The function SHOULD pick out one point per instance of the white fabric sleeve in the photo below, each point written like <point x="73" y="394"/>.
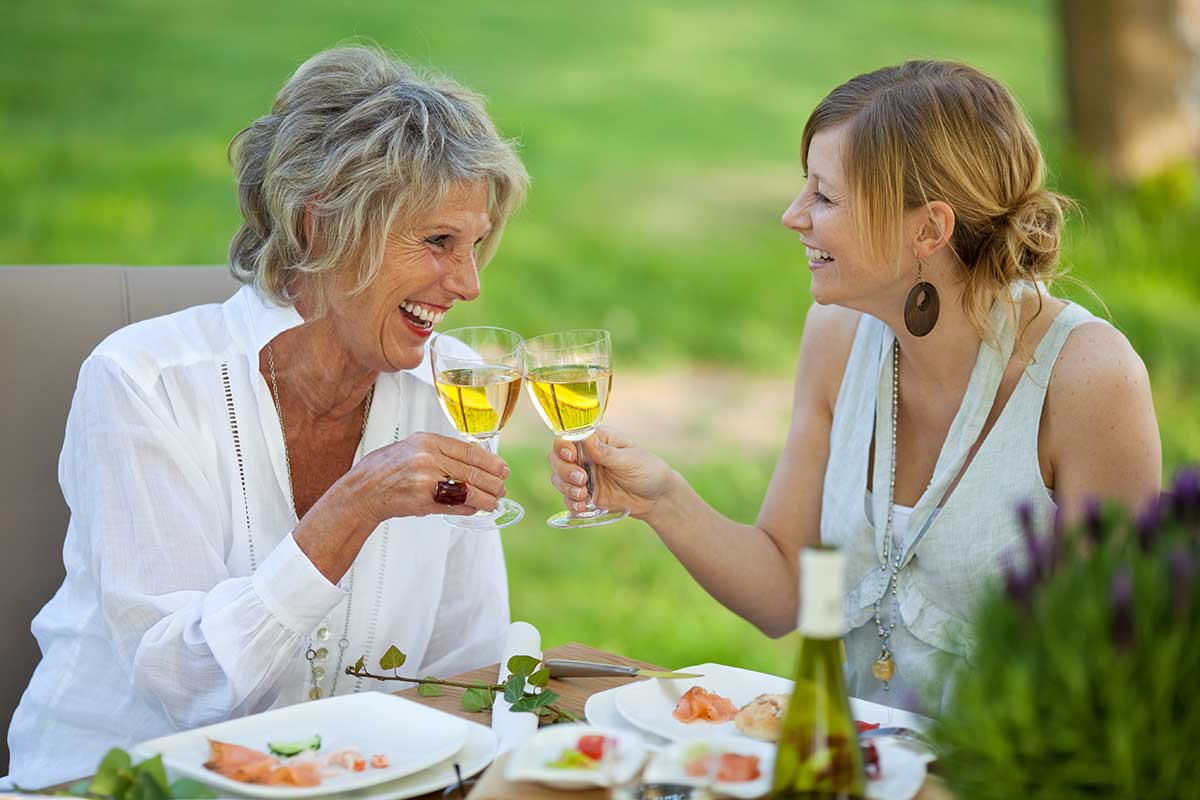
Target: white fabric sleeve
<point x="473" y="615"/>
<point x="204" y="644"/>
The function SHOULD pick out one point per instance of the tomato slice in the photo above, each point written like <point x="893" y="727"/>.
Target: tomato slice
<point x="591" y="746"/>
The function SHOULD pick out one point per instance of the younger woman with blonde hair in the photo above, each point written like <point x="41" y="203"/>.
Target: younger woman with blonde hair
<point x="939" y="385"/>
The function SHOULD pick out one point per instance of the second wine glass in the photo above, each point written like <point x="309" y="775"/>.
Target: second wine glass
<point x="478" y="375"/>
<point x="569" y="375"/>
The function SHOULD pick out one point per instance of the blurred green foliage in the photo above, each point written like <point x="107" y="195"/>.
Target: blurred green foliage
<point x="663" y="140"/>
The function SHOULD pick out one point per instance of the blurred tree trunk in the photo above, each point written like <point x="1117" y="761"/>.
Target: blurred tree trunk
<point x="1133" y="81"/>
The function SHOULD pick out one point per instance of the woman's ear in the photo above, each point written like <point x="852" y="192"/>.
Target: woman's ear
<point x="935" y="227"/>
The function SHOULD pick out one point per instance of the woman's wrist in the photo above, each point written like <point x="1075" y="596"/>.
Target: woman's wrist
<point x="670" y="504"/>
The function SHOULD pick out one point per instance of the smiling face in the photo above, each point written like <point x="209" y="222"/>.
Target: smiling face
<point x="842" y="272"/>
<point x="428" y="266"/>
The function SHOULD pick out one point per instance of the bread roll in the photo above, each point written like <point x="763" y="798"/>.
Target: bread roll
<point x="762" y="717"/>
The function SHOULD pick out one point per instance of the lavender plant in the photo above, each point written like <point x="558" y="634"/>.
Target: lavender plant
<point x="1086" y="679"/>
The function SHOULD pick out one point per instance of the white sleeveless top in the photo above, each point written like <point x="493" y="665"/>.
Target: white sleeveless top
<point x="952" y="554"/>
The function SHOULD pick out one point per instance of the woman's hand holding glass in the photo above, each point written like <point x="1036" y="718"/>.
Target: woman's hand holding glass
<point x="399" y="480"/>
<point x="478" y="375"/>
<point x="624" y="475"/>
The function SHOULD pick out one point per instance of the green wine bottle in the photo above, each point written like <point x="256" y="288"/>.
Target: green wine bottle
<point x="818" y="756"/>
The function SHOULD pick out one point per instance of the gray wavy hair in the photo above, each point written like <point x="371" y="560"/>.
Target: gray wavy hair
<point x="361" y="141"/>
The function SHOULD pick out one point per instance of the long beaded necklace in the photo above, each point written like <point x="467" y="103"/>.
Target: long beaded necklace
<point x="884" y="668"/>
<point x="316" y="650"/>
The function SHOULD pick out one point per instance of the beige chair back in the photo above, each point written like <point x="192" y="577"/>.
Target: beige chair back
<point x="50" y="319"/>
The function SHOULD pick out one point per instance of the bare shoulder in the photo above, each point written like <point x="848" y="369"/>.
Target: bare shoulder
<point x="828" y="337"/>
<point x="1097" y="365"/>
<point x="1099" y="422"/>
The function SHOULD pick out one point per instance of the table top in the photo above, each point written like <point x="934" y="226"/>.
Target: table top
<point x="573" y="693"/>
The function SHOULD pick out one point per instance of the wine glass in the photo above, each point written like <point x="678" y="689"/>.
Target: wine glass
<point x="477" y="371"/>
<point x="569" y="375"/>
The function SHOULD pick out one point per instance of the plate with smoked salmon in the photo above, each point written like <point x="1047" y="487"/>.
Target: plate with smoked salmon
<point x="340" y="744"/>
<point x="700" y="708"/>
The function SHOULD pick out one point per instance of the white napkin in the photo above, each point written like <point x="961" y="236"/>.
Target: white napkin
<point x="513" y="727"/>
<point x="903" y="771"/>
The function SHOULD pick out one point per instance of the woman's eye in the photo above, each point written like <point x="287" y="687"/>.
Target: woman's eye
<point x="439" y="240"/>
<point x="820" y="197"/>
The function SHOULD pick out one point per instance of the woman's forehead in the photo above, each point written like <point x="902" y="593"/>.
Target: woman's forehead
<point x="825" y="154"/>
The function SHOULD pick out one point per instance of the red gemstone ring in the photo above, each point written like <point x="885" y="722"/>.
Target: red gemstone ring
<point x="450" y="492"/>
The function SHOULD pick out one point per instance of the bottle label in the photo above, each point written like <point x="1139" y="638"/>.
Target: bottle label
<point x="822" y="614"/>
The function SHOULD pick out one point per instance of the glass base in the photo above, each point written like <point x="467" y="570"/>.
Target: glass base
<point x="587" y="519"/>
<point x="508" y="512"/>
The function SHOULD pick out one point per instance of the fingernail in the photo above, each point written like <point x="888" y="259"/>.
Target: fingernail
<point x="578" y="477"/>
<point x="578" y="492"/>
<point x="566" y="454"/>
<point x="506" y="471"/>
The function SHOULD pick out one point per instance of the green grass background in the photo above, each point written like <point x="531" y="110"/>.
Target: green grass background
<point x="663" y="140"/>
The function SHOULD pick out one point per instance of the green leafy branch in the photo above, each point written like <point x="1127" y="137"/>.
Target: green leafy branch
<point x="118" y="778"/>
<point x="525" y="672"/>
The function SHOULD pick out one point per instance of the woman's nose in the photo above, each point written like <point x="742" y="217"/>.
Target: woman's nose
<point x="462" y="278"/>
<point x="795" y="216"/>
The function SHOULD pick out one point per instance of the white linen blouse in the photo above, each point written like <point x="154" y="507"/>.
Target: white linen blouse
<point x="186" y="600"/>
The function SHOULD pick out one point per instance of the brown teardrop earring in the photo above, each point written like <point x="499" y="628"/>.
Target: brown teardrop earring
<point x="922" y="306"/>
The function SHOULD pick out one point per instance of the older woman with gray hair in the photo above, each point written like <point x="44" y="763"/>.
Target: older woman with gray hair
<point x="253" y="485"/>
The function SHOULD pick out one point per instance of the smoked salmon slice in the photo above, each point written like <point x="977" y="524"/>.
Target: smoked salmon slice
<point x="698" y="704"/>
<point x="734" y="768"/>
<point x="244" y="765"/>
<point x="239" y="763"/>
<point x="302" y="774"/>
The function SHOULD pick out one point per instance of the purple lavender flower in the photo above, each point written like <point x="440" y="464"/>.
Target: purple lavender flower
<point x="1034" y="549"/>
<point x="1185" y="495"/>
<point x="1121" y="598"/>
<point x="1093" y="521"/>
<point x="1181" y="567"/>
<point x="1018" y="584"/>
<point x="1148" y="521"/>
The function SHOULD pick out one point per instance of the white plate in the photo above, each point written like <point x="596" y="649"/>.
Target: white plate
<point x="528" y="762"/>
<point x="648" y="704"/>
<point x="668" y="765"/>
<point x="601" y="709"/>
<point x="412" y="736"/>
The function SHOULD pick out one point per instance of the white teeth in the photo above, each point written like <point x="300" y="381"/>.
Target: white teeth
<point x="818" y="255"/>
<point x="422" y="313"/>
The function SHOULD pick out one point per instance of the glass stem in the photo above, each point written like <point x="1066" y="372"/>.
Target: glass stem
<point x="586" y="463"/>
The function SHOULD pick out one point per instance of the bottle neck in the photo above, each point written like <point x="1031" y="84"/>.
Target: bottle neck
<point x="822" y="614"/>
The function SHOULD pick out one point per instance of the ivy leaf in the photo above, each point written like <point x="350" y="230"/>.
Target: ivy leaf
<point x="478" y="699"/>
<point x="188" y="789"/>
<point x="540" y="678"/>
<point x="392" y="659"/>
<point x="78" y="789"/>
<point x="523" y="665"/>
<point x="146" y="786"/>
<point x="153" y="768"/>
<point x="514" y="688"/>
<point x="525" y="703"/>
<point x="109" y="776"/>
<point x="544" y="699"/>
<point x="361" y="664"/>
<point x="430" y="689"/>
<point x="563" y="715"/>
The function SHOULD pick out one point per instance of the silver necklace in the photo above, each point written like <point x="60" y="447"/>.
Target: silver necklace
<point x="884" y="668"/>
<point x="317" y="652"/>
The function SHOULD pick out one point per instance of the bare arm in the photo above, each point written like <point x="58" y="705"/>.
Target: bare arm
<point x="1099" y="427"/>
<point x="751" y="569"/>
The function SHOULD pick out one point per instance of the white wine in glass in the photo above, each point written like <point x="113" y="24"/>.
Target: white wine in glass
<point x="569" y="375"/>
<point x="478" y="376"/>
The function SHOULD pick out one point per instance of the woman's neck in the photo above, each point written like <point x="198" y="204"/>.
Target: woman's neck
<point x="317" y="372"/>
<point x="944" y="358"/>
